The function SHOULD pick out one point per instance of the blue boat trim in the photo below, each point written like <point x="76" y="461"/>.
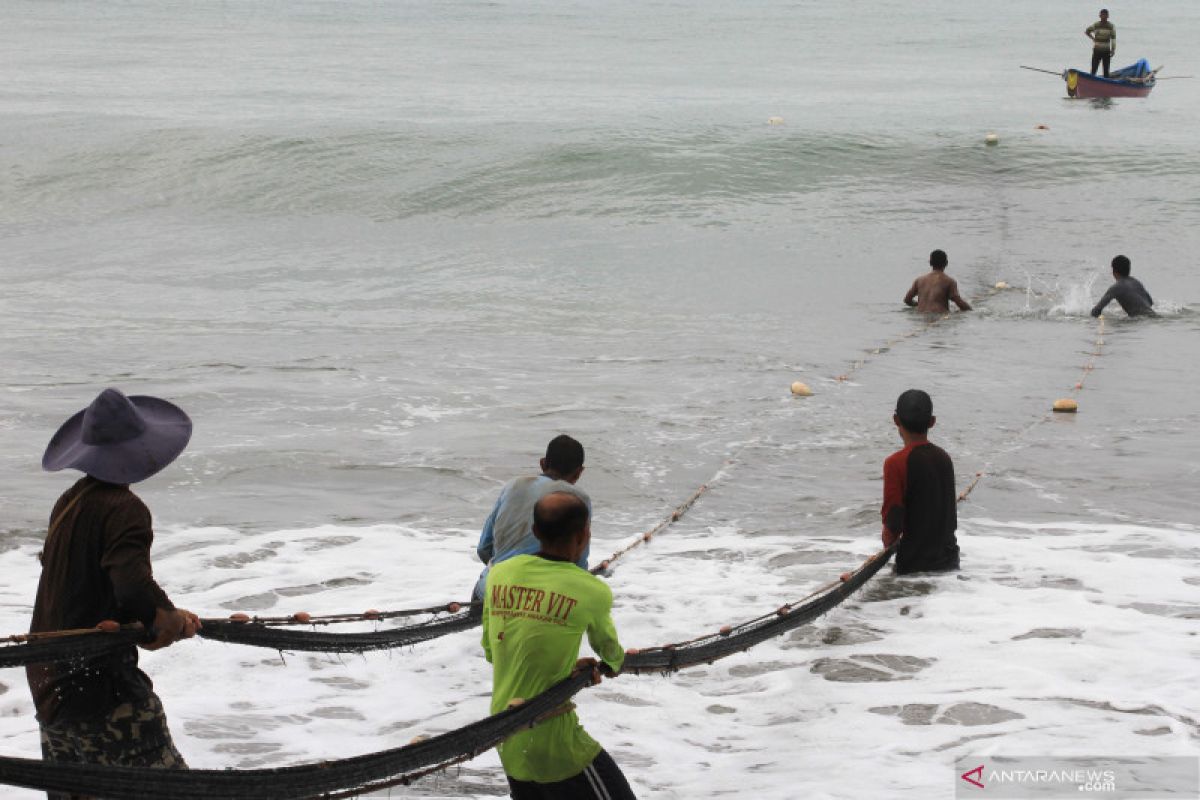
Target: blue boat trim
<point x="1121" y="77"/>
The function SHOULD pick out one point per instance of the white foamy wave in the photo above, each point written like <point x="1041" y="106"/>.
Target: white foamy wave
<point x="1056" y="638"/>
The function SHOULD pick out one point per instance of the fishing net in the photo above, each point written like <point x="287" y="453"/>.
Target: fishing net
<point x="736" y="638"/>
<point x="93" y="643"/>
<point x="72" y="647"/>
<point x="350" y="776"/>
<point x="326" y="779"/>
<point x="291" y="639"/>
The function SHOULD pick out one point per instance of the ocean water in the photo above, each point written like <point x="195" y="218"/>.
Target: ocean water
<point x="382" y="253"/>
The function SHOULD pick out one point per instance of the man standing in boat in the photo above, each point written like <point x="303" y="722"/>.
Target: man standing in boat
<point x="1104" y="41"/>
<point x="932" y="292"/>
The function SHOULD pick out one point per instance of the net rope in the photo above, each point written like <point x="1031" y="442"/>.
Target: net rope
<point x="351" y="776"/>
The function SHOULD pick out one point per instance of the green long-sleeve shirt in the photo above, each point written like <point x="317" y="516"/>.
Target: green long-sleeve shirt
<point x="535" y="613"/>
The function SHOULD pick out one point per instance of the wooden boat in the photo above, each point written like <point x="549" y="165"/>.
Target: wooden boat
<point x="1136" y="80"/>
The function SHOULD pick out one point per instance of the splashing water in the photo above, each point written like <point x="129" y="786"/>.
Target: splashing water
<point x="1076" y="299"/>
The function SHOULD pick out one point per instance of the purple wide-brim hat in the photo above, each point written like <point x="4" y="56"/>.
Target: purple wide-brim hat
<point x="120" y="439"/>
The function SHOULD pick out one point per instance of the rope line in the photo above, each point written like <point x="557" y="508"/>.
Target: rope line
<point x="402" y="765"/>
<point x="912" y="334"/>
<point x="279" y="638"/>
<point x="89" y="643"/>
<point x="1096" y="352"/>
<point x="605" y="566"/>
<point x="303" y="618"/>
<point x="255" y="631"/>
<point x="858" y="364"/>
<point x="733" y="639"/>
<point x="250" y="630"/>
<point x="270" y="632"/>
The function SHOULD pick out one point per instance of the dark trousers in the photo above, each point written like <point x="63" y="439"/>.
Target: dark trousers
<point x="600" y="780"/>
<point x="1097" y="57"/>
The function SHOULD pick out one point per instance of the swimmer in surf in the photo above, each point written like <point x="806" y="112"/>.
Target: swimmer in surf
<point x="932" y="292"/>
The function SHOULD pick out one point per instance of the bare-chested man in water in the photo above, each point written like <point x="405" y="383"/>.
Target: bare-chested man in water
<point x="931" y="293"/>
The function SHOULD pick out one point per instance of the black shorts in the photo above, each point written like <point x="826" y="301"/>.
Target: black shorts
<point x="600" y="780"/>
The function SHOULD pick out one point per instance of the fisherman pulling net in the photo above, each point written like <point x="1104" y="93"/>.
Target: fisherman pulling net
<point x="351" y="776"/>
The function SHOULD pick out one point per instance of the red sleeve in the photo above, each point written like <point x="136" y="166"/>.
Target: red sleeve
<point x="895" y="481"/>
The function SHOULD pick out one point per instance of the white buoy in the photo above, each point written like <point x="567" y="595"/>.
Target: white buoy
<point x="992" y="138"/>
<point x="801" y="389"/>
<point x="1001" y="285"/>
<point x="775" y="120"/>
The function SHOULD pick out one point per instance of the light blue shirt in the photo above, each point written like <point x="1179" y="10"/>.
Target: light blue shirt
<point x="508" y="530"/>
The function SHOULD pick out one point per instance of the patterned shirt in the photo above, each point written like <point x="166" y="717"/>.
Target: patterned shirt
<point x="1105" y="35"/>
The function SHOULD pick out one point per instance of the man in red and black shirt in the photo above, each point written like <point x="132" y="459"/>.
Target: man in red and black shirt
<point x="918" y="492"/>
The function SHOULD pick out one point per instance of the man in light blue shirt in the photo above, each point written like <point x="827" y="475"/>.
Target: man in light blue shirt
<point x="508" y="530"/>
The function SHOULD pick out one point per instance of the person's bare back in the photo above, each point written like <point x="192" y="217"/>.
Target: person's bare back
<point x="932" y="292"/>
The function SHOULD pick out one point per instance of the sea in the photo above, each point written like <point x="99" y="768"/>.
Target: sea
<point x="382" y="252"/>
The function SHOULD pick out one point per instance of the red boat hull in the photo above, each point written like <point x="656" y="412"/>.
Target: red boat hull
<point x="1083" y="85"/>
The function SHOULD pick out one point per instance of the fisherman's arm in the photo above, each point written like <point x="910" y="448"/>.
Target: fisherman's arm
<point x="963" y="305"/>
<point x="602" y="636"/>
<point x="126" y="560"/>
<point x="910" y="299"/>
<point x="487" y="642"/>
<point x="893" y="501"/>
<point x="487" y="538"/>
<point x="582" y="563"/>
<point x="1105" y="300"/>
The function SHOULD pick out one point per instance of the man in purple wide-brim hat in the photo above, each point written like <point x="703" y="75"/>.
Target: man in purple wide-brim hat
<point x="96" y="567"/>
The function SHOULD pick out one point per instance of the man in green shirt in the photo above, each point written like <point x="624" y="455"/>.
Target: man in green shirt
<point x="536" y="610"/>
<point x="1104" y="41"/>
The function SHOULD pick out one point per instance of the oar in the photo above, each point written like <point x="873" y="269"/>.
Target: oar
<point x="1047" y="71"/>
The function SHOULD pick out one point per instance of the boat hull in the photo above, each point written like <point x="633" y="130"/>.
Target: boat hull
<point x="1085" y="85"/>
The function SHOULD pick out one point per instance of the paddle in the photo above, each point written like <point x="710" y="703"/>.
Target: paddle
<point x="1047" y="71"/>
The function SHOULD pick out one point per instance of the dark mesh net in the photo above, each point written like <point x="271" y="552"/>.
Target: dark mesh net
<point x="348" y="776"/>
